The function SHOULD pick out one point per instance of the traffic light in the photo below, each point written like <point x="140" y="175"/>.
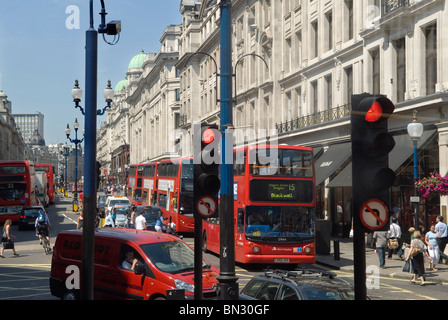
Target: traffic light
<point x="206" y="169"/>
<point x="371" y="175"/>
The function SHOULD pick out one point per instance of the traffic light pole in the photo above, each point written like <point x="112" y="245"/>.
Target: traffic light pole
<point x="371" y="175"/>
<point x="227" y="278"/>
<point x="359" y="258"/>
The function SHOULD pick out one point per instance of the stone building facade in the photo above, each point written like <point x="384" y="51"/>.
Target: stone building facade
<point x="296" y="65"/>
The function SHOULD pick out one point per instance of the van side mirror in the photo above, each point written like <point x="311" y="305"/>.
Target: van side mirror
<point x="139" y="268"/>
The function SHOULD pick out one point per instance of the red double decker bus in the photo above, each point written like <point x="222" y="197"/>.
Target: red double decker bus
<point x="147" y="173"/>
<point x="174" y="192"/>
<point x="17" y="188"/>
<point x="133" y="191"/>
<point x="274" y="207"/>
<point x="49" y="170"/>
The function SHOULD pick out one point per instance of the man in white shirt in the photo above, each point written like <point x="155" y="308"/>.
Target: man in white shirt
<point x="140" y="221"/>
<point x="395" y="233"/>
<point x="109" y="221"/>
<point x="442" y="237"/>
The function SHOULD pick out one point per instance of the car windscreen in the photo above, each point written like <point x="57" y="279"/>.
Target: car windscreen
<point x="31" y="212"/>
<point x="115" y="202"/>
<point x="318" y="292"/>
<point x="171" y="256"/>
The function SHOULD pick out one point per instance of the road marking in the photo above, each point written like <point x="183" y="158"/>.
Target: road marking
<point x="42" y="265"/>
<point x="69" y="218"/>
<point x="389" y="286"/>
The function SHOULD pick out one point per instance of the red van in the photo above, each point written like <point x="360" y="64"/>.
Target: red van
<point x="164" y="262"/>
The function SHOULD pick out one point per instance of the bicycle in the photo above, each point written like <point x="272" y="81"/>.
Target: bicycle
<point x="46" y="245"/>
<point x="44" y="241"/>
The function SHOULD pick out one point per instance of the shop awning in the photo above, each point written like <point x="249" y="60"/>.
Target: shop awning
<point x="331" y="160"/>
<point x="402" y="151"/>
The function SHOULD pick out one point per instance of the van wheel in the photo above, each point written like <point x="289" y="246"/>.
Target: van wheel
<point x="70" y="295"/>
<point x="204" y="243"/>
<point x="160" y="298"/>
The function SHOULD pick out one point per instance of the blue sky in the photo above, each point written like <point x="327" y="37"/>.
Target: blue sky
<point x="40" y="57"/>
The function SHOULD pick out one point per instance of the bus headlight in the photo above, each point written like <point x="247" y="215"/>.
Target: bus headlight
<point x="307" y="249"/>
<point x="256" y="249"/>
<point x="183" y="285"/>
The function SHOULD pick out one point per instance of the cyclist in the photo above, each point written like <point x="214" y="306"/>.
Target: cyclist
<point x="43" y="227"/>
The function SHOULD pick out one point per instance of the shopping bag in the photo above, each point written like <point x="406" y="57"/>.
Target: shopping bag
<point x="407" y="266"/>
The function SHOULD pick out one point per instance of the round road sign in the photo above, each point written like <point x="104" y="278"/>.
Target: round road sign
<point x="206" y="206"/>
<point x="374" y="214"/>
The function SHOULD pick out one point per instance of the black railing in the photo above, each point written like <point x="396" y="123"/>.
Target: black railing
<point x="388" y="6"/>
<point x="336" y="113"/>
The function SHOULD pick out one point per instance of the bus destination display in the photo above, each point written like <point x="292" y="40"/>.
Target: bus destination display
<point x="281" y="191"/>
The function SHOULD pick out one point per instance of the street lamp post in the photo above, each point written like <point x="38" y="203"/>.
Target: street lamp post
<point x="415" y="131"/>
<point x="76" y="141"/>
<point x="65" y="154"/>
<point x="91" y="72"/>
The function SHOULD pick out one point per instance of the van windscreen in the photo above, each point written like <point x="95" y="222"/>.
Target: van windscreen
<point x="171" y="256"/>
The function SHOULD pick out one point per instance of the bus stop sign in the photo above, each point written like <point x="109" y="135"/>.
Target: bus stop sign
<point x="374" y="214"/>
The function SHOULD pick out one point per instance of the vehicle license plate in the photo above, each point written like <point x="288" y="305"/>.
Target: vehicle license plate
<point x="281" y="260"/>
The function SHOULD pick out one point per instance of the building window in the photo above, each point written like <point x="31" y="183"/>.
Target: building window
<point x="314" y="97"/>
<point x="288" y="106"/>
<point x="376" y="79"/>
<point x="349" y="19"/>
<point x="288" y="56"/>
<point x="400" y="48"/>
<point x="431" y="58"/>
<point x="329" y="30"/>
<point x="299" y="102"/>
<point x="298" y="49"/>
<point x="314" y="39"/>
<point x="329" y="90"/>
<point x="349" y="83"/>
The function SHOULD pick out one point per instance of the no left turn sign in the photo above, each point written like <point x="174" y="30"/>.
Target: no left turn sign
<point x="206" y="206"/>
<point x="374" y="214"/>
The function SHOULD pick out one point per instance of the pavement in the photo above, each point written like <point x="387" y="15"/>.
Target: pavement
<point x="393" y="267"/>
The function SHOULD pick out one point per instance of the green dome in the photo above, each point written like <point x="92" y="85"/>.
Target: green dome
<point x="120" y="85"/>
<point x="137" y="61"/>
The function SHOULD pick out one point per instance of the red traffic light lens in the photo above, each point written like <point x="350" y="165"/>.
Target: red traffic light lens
<point x="208" y="136"/>
<point x="375" y="112"/>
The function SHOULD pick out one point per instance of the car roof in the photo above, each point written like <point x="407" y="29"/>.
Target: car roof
<point x="117" y="198"/>
<point x="307" y="277"/>
<point x="137" y="236"/>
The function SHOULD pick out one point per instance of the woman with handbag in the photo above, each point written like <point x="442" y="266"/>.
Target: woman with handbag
<point x="7" y="236"/>
<point x="417" y="251"/>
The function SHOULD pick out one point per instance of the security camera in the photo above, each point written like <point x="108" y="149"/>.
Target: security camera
<point x="113" y="27"/>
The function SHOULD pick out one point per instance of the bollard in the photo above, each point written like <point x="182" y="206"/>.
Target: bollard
<point x="336" y="250"/>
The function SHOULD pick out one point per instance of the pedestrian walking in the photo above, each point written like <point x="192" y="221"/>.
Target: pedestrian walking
<point x="80" y="221"/>
<point x="133" y="216"/>
<point x="109" y="221"/>
<point x="433" y="247"/>
<point x="140" y="221"/>
<point x="442" y="237"/>
<point x="379" y="239"/>
<point x="394" y="242"/>
<point x="417" y="253"/>
<point x="7" y="238"/>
